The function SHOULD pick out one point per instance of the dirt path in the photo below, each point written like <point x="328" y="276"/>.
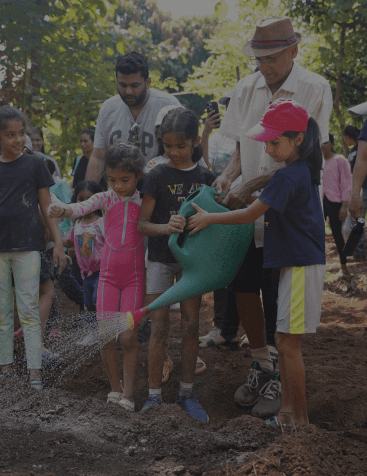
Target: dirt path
<point x="69" y="429"/>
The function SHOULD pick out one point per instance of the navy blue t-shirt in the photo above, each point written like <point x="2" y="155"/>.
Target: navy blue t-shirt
<point x="294" y="225"/>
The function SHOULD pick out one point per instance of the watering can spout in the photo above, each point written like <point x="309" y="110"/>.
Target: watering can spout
<point x="209" y="259"/>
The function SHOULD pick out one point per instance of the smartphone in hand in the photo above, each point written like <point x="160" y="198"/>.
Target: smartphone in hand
<point x="213" y="106"/>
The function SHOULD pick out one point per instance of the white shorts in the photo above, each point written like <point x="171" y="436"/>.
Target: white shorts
<point x="161" y="276"/>
<point x="299" y="299"/>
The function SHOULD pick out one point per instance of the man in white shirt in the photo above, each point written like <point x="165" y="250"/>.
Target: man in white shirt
<point x="274" y="47"/>
<point x="130" y="115"/>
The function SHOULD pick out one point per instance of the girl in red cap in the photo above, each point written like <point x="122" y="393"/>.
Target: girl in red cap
<point x="294" y="239"/>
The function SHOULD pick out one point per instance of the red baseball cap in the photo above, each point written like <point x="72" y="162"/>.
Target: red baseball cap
<point x="281" y="116"/>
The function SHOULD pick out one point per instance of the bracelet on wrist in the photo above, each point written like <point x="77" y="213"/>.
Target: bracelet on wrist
<point x="62" y="213"/>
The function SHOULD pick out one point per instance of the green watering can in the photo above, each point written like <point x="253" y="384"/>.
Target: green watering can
<point x="209" y="259"/>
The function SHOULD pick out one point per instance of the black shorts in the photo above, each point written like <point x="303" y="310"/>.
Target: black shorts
<point x="249" y="276"/>
<point x="45" y="273"/>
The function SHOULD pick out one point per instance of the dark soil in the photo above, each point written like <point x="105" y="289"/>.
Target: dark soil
<point x="68" y="429"/>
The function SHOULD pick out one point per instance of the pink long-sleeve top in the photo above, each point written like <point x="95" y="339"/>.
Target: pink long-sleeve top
<point x="337" y="179"/>
<point x="120" y="215"/>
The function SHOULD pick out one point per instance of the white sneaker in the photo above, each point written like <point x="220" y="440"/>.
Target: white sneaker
<point x="89" y="340"/>
<point x="212" y="333"/>
<point x="175" y="307"/>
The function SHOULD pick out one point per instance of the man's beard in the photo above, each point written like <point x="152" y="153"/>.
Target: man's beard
<point x="138" y="100"/>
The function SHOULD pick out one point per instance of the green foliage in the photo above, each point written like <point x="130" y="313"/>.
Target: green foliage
<point x="218" y="73"/>
<point x="338" y="51"/>
<point x="58" y="56"/>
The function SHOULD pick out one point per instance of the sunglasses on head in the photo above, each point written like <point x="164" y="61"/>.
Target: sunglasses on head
<point x="133" y="132"/>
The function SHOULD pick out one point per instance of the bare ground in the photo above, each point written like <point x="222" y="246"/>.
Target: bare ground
<point x="68" y="429"/>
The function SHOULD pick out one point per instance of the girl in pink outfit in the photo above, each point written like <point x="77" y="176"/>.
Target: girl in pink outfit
<point x="337" y="185"/>
<point x="121" y="282"/>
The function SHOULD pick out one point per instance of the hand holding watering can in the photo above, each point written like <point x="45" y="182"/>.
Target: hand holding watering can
<point x="209" y="259"/>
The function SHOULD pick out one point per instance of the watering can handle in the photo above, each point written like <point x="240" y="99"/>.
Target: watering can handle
<point x="187" y="211"/>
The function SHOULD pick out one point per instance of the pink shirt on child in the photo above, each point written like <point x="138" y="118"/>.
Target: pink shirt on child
<point x="88" y="242"/>
<point x="337" y="179"/>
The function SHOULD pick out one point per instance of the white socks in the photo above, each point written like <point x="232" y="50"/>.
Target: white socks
<point x="263" y="357"/>
<point x="186" y="387"/>
<point x="155" y="391"/>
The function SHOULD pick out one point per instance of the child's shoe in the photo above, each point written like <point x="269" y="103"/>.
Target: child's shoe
<point x="127" y="405"/>
<point x="153" y="401"/>
<point x="37" y="384"/>
<point x="115" y="397"/>
<point x="188" y="402"/>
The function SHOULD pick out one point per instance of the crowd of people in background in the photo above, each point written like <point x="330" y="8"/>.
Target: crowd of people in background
<point x="104" y="237"/>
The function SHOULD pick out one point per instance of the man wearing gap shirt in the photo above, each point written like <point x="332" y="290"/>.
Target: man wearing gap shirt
<point x="130" y="115"/>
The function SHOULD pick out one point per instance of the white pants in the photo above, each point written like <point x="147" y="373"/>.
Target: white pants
<point x="25" y="267"/>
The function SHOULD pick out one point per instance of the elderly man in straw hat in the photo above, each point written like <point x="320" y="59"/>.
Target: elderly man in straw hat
<point x="274" y="47"/>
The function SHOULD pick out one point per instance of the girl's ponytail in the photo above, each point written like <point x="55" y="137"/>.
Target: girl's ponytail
<point x="197" y="153"/>
<point x="310" y="149"/>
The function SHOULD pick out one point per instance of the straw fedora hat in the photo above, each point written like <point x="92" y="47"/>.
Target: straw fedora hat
<point x="271" y="36"/>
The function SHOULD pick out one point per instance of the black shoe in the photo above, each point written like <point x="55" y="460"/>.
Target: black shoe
<point x="249" y="393"/>
<point x="270" y="399"/>
<point x="144" y="331"/>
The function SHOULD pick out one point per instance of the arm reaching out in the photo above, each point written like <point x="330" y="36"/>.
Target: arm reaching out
<point x="202" y="219"/>
<point x="95" y="202"/>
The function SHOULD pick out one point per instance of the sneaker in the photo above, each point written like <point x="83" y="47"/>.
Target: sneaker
<point x="188" y="402"/>
<point x="144" y="331"/>
<point x="249" y="393"/>
<point x="175" y="307"/>
<point x="89" y="340"/>
<point x="153" y="401"/>
<point x="37" y="385"/>
<point x="274" y="421"/>
<point x="212" y="333"/>
<point x="270" y="399"/>
<point x="49" y="359"/>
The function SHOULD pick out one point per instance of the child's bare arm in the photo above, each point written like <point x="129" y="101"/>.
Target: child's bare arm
<point x="202" y="219"/>
<point x="145" y="227"/>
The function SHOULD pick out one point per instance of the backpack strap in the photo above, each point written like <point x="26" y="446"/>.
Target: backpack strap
<point x="76" y="164"/>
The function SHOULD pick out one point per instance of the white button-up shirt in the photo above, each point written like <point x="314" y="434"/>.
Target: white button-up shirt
<point x="250" y="99"/>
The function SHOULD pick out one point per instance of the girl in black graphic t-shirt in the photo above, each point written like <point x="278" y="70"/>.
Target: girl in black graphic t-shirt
<point x="164" y="189"/>
<point x="24" y="184"/>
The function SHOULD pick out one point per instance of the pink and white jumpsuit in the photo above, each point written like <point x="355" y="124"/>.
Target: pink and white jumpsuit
<point x="121" y="278"/>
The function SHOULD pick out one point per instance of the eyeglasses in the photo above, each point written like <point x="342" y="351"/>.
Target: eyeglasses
<point x="266" y="61"/>
<point x="133" y="133"/>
